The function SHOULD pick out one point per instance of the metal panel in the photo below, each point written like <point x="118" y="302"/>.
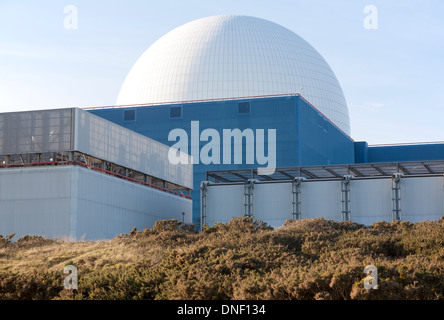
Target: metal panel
<point x="221" y="210"/>
<point x="422" y="198"/>
<point x="73" y="129"/>
<point x="272" y="203"/>
<point x="108" y="206"/>
<point x="321" y="199"/>
<point x="105" y="140"/>
<point x="35" y="201"/>
<point x="36" y="131"/>
<point x="74" y="202"/>
<point x="371" y="200"/>
<point x="404" y="152"/>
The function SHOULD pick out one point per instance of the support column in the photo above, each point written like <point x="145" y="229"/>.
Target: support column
<point x="203" y="203"/>
<point x="345" y="199"/>
<point x="148" y="179"/>
<point x="248" y="198"/>
<point x="296" y="196"/>
<point x="396" y="196"/>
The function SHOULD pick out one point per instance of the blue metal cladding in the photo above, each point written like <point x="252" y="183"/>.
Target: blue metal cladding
<point x="361" y="152"/>
<point x="401" y="153"/>
<point x="303" y="135"/>
<point x="321" y="141"/>
<point x="398" y="153"/>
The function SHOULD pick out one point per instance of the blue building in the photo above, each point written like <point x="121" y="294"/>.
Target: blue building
<point x="304" y="136"/>
<point x="263" y="122"/>
<point x="242" y="73"/>
<point x="398" y="152"/>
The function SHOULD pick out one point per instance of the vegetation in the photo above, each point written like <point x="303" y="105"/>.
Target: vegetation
<point x="242" y="259"/>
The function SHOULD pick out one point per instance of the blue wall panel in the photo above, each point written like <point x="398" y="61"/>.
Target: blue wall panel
<point x="321" y="141"/>
<point x="303" y="135"/>
<point x="398" y="153"/>
<point x="361" y="152"/>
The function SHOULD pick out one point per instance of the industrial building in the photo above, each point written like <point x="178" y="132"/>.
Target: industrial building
<point x="65" y="173"/>
<point x="246" y="73"/>
<point x="303" y="135"/>
<point x="259" y="122"/>
<point x="363" y="193"/>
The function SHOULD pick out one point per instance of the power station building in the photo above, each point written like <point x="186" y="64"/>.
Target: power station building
<point x="243" y="73"/>
<point x="65" y="173"/>
<point x="258" y="125"/>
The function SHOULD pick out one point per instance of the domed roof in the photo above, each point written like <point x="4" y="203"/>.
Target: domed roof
<point x="233" y="56"/>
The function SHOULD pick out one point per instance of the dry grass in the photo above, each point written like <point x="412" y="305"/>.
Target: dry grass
<point x="243" y="259"/>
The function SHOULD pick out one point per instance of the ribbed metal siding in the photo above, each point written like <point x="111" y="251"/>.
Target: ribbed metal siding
<point x="77" y="130"/>
<point x="36" y="131"/>
<point x="74" y="202"/>
<point x="422" y="198"/>
<point x="106" y="140"/>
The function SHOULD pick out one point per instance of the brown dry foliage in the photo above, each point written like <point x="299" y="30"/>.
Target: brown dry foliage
<point x="242" y="259"/>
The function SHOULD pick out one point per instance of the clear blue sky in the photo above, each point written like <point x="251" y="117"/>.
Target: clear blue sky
<point x="392" y="77"/>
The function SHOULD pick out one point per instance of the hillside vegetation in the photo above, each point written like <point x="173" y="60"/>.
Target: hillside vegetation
<point x="243" y="259"/>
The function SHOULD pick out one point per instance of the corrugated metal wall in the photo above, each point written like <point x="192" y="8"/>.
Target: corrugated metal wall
<point x="303" y="136"/>
<point x="36" y="131"/>
<point x="106" y="140"/>
<point x="35" y="201"/>
<point x="422" y="198"/>
<point x="73" y="129"/>
<point x="76" y="203"/>
<point x="108" y="206"/>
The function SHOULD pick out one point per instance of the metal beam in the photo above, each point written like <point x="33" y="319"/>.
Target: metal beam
<point x="379" y="170"/>
<point x="248" y="198"/>
<point x="311" y="175"/>
<point x="345" y="198"/>
<point x="296" y="201"/>
<point x="265" y="177"/>
<point x="203" y="204"/>
<point x="396" y="196"/>
<point x="404" y="170"/>
<point x="428" y="168"/>
<point x="239" y="175"/>
<point x="285" y="174"/>
<point x="370" y="170"/>
<point x="333" y="173"/>
<point x="356" y="172"/>
<point x="213" y="175"/>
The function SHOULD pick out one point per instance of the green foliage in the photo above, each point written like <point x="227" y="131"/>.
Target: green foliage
<point x="33" y="286"/>
<point x="247" y="259"/>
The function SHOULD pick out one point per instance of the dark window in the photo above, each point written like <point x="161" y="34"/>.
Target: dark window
<point x="244" y="107"/>
<point x="176" y="112"/>
<point x="129" y="115"/>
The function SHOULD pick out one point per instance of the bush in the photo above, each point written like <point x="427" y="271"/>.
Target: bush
<point x="244" y="259"/>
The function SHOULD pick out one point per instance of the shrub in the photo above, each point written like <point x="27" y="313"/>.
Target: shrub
<point x="242" y="259"/>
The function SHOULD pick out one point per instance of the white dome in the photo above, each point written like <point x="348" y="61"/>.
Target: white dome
<point x="233" y="56"/>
